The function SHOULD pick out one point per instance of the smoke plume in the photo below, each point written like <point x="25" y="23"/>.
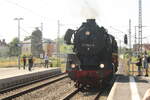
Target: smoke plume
<point x="89" y="9"/>
<point x="84" y="8"/>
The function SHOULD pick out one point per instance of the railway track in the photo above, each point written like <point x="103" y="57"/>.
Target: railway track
<point x="71" y="94"/>
<point x="66" y="92"/>
<point x="75" y="92"/>
<point x="13" y="92"/>
<point x="93" y="94"/>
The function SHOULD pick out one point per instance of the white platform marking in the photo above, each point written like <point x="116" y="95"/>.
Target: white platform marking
<point x="133" y="87"/>
<point x="112" y="92"/>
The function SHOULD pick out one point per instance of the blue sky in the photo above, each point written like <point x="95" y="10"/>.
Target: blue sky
<point x="71" y="13"/>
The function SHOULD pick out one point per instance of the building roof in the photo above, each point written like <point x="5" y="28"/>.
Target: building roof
<point x="144" y="46"/>
<point x="44" y="41"/>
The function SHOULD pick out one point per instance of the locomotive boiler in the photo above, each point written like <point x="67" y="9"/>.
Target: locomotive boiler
<point x="95" y="55"/>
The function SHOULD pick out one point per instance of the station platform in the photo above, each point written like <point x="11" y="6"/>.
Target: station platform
<point x="15" y="71"/>
<point x="129" y="87"/>
<point x="13" y="76"/>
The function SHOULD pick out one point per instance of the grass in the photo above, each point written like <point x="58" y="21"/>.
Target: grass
<point x="63" y="67"/>
<point x="13" y="62"/>
<point x="9" y="61"/>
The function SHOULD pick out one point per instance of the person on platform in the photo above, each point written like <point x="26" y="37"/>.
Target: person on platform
<point x="24" y="61"/>
<point x="145" y="63"/>
<point x="139" y="64"/>
<point x="30" y="61"/>
<point x="46" y="59"/>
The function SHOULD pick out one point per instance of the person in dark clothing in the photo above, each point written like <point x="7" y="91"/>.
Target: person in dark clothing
<point x="30" y="61"/>
<point x="145" y="64"/>
<point x="24" y="62"/>
<point x="139" y="64"/>
<point x="46" y="61"/>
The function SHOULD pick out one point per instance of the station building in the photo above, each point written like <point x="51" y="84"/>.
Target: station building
<point x="48" y="47"/>
<point x="145" y="47"/>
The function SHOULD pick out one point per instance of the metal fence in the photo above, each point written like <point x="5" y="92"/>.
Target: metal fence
<point x="13" y="61"/>
<point x="133" y="69"/>
<point x="38" y="62"/>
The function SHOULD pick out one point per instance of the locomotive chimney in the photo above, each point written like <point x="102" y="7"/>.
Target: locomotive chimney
<point x="91" y="21"/>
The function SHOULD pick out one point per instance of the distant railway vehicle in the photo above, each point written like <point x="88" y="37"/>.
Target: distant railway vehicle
<point x="95" y="57"/>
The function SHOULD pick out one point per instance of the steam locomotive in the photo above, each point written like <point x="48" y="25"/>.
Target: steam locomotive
<point x="95" y="55"/>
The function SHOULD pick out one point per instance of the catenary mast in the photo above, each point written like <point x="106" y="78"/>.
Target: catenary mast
<point x="140" y="27"/>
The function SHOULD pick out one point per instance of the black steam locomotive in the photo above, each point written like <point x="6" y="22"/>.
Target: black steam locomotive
<point x="95" y="57"/>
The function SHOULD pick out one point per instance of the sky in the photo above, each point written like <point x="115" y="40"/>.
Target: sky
<point x="114" y="15"/>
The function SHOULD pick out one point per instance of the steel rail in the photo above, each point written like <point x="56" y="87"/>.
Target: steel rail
<point x="70" y="95"/>
<point x="14" y="95"/>
<point x="99" y="94"/>
<point x="28" y="83"/>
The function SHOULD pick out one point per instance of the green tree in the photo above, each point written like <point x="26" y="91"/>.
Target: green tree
<point x="27" y="38"/>
<point x="14" y="47"/>
<point x="36" y="43"/>
<point x="64" y="48"/>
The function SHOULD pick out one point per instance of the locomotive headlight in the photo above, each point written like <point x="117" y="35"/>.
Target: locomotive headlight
<point x="101" y="65"/>
<point x="73" y="65"/>
<point x="87" y="33"/>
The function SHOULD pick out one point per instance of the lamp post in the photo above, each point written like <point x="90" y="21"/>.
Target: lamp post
<point x="58" y="45"/>
<point x="18" y="19"/>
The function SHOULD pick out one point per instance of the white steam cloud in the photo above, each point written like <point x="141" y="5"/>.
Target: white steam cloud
<point x="89" y="9"/>
<point x="85" y="8"/>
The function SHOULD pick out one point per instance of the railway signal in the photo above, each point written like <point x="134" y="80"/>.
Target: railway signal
<point x="125" y="39"/>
